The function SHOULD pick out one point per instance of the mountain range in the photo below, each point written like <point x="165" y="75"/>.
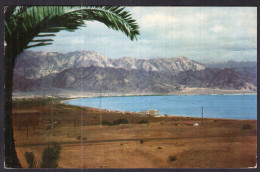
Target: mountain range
<point x="34" y="65"/>
<point x="89" y="71"/>
<point x="232" y="64"/>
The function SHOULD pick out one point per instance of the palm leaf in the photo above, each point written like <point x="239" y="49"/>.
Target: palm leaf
<point x="25" y="23"/>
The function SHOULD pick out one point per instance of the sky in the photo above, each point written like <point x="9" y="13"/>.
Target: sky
<point x="204" y="34"/>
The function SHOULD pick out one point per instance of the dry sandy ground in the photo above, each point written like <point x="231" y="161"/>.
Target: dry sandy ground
<point x="217" y="144"/>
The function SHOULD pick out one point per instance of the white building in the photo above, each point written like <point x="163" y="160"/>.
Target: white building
<point x="152" y="112"/>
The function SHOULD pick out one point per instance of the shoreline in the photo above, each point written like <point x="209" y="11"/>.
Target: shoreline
<point x="235" y="94"/>
<point x="66" y="99"/>
<point x="130" y="95"/>
<point x="134" y="139"/>
<point x="158" y="116"/>
<point x="59" y="93"/>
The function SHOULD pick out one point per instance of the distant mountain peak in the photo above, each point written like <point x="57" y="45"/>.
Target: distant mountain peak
<point x="92" y="72"/>
<point x="38" y="64"/>
<point x="87" y="52"/>
<point x="232" y="64"/>
<point x="183" y="57"/>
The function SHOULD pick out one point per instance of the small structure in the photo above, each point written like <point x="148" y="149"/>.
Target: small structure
<point x="143" y="113"/>
<point x="196" y="124"/>
<point x="152" y="112"/>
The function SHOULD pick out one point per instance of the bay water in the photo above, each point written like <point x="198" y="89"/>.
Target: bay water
<point x="214" y="106"/>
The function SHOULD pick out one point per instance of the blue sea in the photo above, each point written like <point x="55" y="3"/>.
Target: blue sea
<point x="214" y="106"/>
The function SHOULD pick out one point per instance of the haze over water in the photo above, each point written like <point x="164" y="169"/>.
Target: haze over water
<point x="214" y="106"/>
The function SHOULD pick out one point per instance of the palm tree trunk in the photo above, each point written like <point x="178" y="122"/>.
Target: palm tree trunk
<point x="11" y="159"/>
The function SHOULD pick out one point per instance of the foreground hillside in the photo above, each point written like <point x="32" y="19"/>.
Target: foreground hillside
<point x="142" y="142"/>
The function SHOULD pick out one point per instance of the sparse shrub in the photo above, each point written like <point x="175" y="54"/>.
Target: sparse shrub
<point x="84" y="138"/>
<point x="159" y="147"/>
<point x="51" y="155"/>
<point x="106" y="123"/>
<point x="246" y="127"/>
<point x="48" y="127"/>
<point x="141" y="141"/>
<point x="30" y="159"/>
<point x="228" y="148"/>
<point x="143" y="121"/>
<point x="172" y="158"/>
<point x="79" y="137"/>
<point x="121" y="144"/>
<point x="120" y="121"/>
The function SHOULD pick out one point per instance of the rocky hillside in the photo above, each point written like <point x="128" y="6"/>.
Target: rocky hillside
<point x="232" y="64"/>
<point x="34" y="65"/>
<point x="89" y="71"/>
<point x="97" y="79"/>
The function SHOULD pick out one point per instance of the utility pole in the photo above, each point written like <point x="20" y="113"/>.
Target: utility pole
<point x="27" y="129"/>
<point x="202" y="114"/>
<point x="101" y="120"/>
<point x="100" y="107"/>
<point x="52" y="114"/>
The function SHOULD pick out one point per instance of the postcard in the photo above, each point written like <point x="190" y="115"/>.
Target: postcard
<point x="130" y="87"/>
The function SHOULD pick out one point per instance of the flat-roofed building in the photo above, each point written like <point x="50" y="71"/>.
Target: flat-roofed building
<point x="153" y="112"/>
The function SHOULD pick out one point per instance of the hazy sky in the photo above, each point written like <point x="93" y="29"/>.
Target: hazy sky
<point x="201" y="33"/>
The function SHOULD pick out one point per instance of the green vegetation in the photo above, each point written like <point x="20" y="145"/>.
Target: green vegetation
<point x="115" y="122"/>
<point x="30" y="159"/>
<point x="24" y="23"/>
<point x="51" y="155"/>
<point x="246" y="127"/>
<point x="106" y="123"/>
<point x="172" y="158"/>
<point x="120" y="121"/>
<point x="143" y="121"/>
<point x="81" y="138"/>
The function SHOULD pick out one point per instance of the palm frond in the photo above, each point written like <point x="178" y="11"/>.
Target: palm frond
<point x="25" y="23"/>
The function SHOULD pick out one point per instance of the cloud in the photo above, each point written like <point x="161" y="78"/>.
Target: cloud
<point x="200" y="33"/>
<point x="77" y="40"/>
<point x="157" y="19"/>
<point x="219" y="28"/>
